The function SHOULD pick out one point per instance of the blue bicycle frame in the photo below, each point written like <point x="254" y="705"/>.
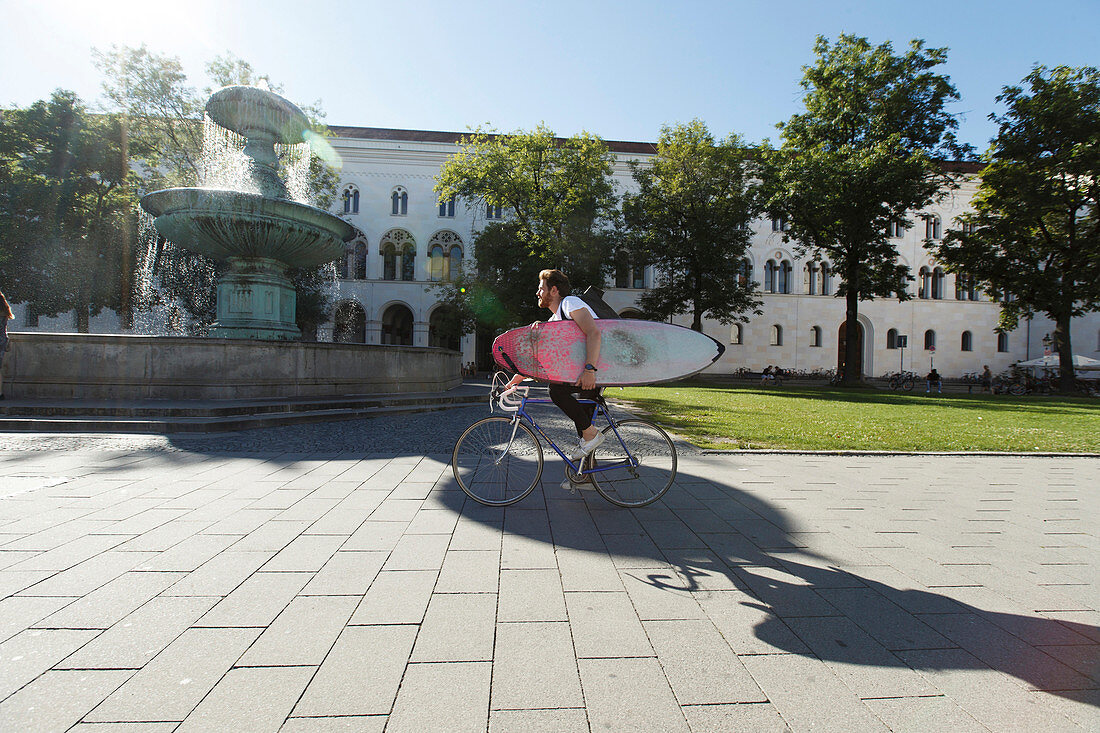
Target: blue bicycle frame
<point x="600" y="410"/>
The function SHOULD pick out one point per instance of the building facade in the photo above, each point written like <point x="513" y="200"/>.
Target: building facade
<point x="387" y="284"/>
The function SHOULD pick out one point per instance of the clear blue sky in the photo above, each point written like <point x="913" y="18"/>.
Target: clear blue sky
<point x="617" y="69"/>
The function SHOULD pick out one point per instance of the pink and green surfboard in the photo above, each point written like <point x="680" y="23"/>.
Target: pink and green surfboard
<point x="631" y="352"/>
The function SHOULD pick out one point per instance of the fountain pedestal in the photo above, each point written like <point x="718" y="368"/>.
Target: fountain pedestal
<point x="256" y="300"/>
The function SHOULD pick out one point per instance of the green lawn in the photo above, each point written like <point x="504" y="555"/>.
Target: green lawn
<point x="865" y="419"/>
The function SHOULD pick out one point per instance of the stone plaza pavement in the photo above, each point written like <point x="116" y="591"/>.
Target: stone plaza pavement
<point x="181" y="587"/>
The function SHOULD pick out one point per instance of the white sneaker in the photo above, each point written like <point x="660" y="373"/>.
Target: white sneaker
<point x="586" y="447"/>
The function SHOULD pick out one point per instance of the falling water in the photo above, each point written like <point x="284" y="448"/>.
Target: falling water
<point x="156" y="311"/>
<point x="223" y="164"/>
<point x="295" y="162"/>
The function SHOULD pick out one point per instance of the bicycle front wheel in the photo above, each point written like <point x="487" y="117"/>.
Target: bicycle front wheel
<point x="497" y="462"/>
<point x="647" y="461"/>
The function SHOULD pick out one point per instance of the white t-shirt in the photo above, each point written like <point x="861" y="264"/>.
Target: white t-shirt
<point x="569" y="304"/>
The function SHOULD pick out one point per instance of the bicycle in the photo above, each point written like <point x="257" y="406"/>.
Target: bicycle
<point x="903" y="381"/>
<point x="498" y="460"/>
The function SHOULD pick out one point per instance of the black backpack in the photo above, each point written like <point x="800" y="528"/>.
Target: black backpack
<point x="593" y="298"/>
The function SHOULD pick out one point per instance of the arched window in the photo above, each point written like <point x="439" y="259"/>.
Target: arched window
<point x="447" y="208"/>
<point x="810" y="278"/>
<point x="815" y="336"/>
<point x="937" y="284"/>
<point x="399" y="201"/>
<point x="442" y="329"/>
<point x="359" y="259"/>
<point x="924" y="288"/>
<point x="892" y="338"/>
<point x="389" y="261"/>
<point x="492" y="211"/>
<point x="780" y="224"/>
<point x="350" y="323"/>
<point x="826" y="279"/>
<point x="736" y="334"/>
<point x="397" y="325"/>
<point x="769" y="276"/>
<point x="933" y="227"/>
<point x="929" y="340"/>
<point x="350" y="197"/>
<point x="398" y="250"/>
<point x="895" y="230"/>
<point x="777" y="335"/>
<point x="744" y="273"/>
<point x="1002" y="343"/>
<point x="967" y="341"/>
<point x="785" y="271"/>
<point x="445" y="255"/>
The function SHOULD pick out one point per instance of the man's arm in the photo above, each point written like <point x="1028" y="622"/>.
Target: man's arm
<point x="587" y="324"/>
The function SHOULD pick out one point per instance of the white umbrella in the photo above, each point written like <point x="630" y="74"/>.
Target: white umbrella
<point x="1051" y="362"/>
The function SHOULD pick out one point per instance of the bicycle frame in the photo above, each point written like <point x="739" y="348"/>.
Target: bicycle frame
<point x="521" y="413"/>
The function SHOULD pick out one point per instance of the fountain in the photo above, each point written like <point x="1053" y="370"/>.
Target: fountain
<point x="258" y="235"/>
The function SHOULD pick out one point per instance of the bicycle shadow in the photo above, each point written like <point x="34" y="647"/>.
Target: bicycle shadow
<point x="709" y="536"/>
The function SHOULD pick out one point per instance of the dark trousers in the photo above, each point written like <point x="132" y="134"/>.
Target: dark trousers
<point x="565" y="397"/>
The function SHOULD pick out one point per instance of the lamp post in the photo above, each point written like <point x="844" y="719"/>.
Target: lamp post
<point x="1046" y="344"/>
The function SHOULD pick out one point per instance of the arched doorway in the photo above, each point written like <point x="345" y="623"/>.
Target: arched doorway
<point x="397" y="325"/>
<point x="351" y="323"/>
<point x="442" y="327"/>
<point x="842" y="345"/>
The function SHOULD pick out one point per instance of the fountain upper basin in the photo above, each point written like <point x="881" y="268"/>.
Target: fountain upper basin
<point x="250" y="110"/>
<point x="225" y="224"/>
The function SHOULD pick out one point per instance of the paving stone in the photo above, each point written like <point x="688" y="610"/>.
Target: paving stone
<point x="375" y="536"/>
<point x="303" y="633"/>
<point x="257" y="601"/>
<point x="891" y="626"/>
<point x="346" y="573"/>
<point x="606" y="625"/>
<point x="242" y="522"/>
<point x="361" y="675"/>
<point x="57" y="700"/>
<point x="254" y="699"/>
<point x="659" y="594"/>
<point x="141" y="635"/>
<point x="271" y="535"/>
<point x="534" y="667"/>
<point x="188" y="554"/>
<point x="582" y="570"/>
<point x="473" y="535"/>
<point x="418" y="552"/>
<point x="85" y="577"/>
<point x="171" y="685"/>
<point x="699" y="664"/>
<point x="219" y="575"/>
<point x="435" y="521"/>
<point x="306" y="553"/>
<point x="558" y="720"/>
<point x="73" y="552"/>
<point x="469" y="571"/>
<point x="336" y="724"/>
<point x="31" y="653"/>
<point x="808" y="696"/>
<point x="396" y="597"/>
<point x="103" y="607"/>
<point x="458" y="627"/>
<point x="756" y="717"/>
<point x="531" y="595"/>
<point x="527" y="553"/>
<point x="629" y="694"/>
<point x="923" y="714"/>
<point x="452" y="697"/>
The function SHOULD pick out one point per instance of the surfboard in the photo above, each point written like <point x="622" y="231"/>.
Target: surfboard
<point x="631" y="352"/>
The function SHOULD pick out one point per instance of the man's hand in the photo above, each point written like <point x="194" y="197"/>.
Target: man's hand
<point x="587" y="380"/>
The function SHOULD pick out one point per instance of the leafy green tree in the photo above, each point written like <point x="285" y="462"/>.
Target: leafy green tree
<point x="1035" y="230"/>
<point x="558" y="204"/>
<point x="66" y="207"/>
<point x="867" y="151"/>
<point x="690" y="220"/>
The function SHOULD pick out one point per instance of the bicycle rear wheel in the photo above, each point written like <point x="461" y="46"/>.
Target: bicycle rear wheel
<point x="492" y="466"/>
<point x="654" y="457"/>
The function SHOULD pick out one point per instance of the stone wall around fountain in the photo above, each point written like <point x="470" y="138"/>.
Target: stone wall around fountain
<point x="118" y="367"/>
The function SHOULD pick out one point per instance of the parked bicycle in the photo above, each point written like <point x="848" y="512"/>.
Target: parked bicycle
<point x="499" y="460"/>
<point x="902" y="380"/>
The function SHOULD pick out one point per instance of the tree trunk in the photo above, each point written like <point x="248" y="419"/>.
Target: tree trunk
<point x="1062" y="346"/>
<point x="697" y="321"/>
<point x="83" y="320"/>
<point x="851" y="339"/>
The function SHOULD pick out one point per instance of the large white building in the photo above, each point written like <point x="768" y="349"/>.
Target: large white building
<point x="386" y="294"/>
<point x="411" y="240"/>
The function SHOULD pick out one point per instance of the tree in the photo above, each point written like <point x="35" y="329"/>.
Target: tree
<point x="66" y="207"/>
<point x="558" y="203"/>
<point x="165" y="117"/>
<point x="690" y="220"/>
<point x="1035" y="230"/>
<point x="865" y="152"/>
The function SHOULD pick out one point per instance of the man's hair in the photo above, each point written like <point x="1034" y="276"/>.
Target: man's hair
<point x="556" y="279"/>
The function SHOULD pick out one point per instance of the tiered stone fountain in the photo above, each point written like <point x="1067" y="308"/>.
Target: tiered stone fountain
<point x="259" y="234"/>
